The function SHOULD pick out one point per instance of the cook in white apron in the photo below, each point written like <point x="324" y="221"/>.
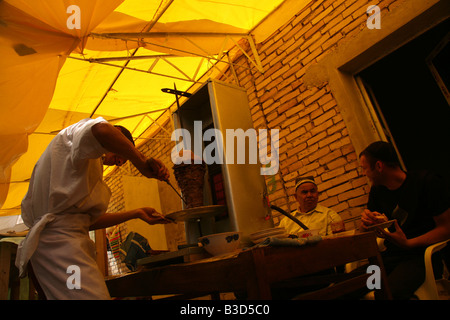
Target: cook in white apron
<point x="66" y="194"/>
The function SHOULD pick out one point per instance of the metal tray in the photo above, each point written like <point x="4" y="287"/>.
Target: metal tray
<point x="197" y="213"/>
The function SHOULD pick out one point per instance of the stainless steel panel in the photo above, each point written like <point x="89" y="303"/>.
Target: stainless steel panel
<point x="244" y="185"/>
<point x="226" y="106"/>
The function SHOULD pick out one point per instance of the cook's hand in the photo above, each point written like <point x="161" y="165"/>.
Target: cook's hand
<point x="369" y="218"/>
<point x="397" y="237"/>
<point x="157" y="170"/>
<point x="151" y="216"/>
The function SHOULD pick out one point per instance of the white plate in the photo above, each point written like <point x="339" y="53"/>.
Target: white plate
<point x="280" y="236"/>
<point x="267" y="231"/>
<point x="197" y="213"/>
<point x="268" y="234"/>
<point x="259" y="240"/>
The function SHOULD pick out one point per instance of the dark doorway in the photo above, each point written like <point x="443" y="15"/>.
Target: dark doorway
<point x="415" y="109"/>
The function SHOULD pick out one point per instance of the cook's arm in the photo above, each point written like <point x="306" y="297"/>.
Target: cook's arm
<point x="147" y="214"/>
<point x="114" y="141"/>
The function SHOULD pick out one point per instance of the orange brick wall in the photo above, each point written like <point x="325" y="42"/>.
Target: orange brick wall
<point x="159" y="146"/>
<point x="313" y="136"/>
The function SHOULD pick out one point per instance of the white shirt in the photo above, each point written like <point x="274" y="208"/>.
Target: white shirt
<point x="319" y="218"/>
<point x="68" y="177"/>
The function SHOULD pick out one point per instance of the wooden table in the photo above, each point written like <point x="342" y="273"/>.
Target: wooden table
<point x="258" y="269"/>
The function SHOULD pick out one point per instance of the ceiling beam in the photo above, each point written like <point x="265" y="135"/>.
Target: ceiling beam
<point x="141" y="35"/>
<point x="146" y="29"/>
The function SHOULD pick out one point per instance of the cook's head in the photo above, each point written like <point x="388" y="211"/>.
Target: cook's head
<point x="112" y="159"/>
<point x="306" y="193"/>
<point x="377" y="159"/>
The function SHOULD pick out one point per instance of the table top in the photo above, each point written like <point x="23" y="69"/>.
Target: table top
<point x="241" y="270"/>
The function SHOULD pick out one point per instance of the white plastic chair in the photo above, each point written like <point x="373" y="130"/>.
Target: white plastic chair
<point x="428" y="290"/>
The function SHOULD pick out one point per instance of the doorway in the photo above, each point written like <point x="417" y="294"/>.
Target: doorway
<point x="410" y="104"/>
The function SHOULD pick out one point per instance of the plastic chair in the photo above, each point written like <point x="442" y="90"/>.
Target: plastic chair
<point x="428" y="290"/>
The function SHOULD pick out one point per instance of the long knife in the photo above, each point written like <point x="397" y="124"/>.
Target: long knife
<point x="168" y="182"/>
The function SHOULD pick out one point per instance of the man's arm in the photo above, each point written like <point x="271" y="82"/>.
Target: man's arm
<point x="369" y="218"/>
<point x="440" y="233"/>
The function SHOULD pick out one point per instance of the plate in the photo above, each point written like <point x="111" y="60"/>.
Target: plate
<point x="268" y="231"/>
<point x="196" y="213"/>
<point x="269" y="234"/>
<point x="281" y="235"/>
<point x="259" y="240"/>
<point x="383" y="225"/>
<point x="262" y="235"/>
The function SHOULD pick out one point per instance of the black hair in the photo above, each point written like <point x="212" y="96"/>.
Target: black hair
<point x="381" y="151"/>
<point x="126" y="133"/>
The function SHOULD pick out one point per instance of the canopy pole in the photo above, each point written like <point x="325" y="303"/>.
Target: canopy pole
<point x="112" y="84"/>
<point x="124" y="67"/>
<point x="147" y="29"/>
<point x="209" y="57"/>
<point x="233" y="70"/>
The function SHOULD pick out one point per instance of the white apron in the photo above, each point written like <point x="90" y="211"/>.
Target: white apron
<point x="64" y="261"/>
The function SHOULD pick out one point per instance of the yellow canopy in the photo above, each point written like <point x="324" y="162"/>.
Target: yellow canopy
<point x="63" y="61"/>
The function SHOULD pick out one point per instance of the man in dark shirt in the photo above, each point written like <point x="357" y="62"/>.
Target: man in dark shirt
<point x="420" y="203"/>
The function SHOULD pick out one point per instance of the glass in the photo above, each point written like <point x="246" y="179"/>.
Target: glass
<point x="337" y="226"/>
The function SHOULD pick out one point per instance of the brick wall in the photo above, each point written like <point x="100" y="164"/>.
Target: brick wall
<point x="313" y="136"/>
<point x="159" y="146"/>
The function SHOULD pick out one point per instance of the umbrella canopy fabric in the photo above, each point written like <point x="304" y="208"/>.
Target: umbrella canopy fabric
<point x="63" y="61"/>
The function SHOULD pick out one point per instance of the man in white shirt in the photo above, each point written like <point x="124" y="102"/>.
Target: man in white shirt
<point x="313" y="216"/>
<point x="67" y="197"/>
<point x="309" y="212"/>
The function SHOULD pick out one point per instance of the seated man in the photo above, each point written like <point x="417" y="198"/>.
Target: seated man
<point x="314" y="216"/>
<point x="420" y="203"/>
<point x="311" y="214"/>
